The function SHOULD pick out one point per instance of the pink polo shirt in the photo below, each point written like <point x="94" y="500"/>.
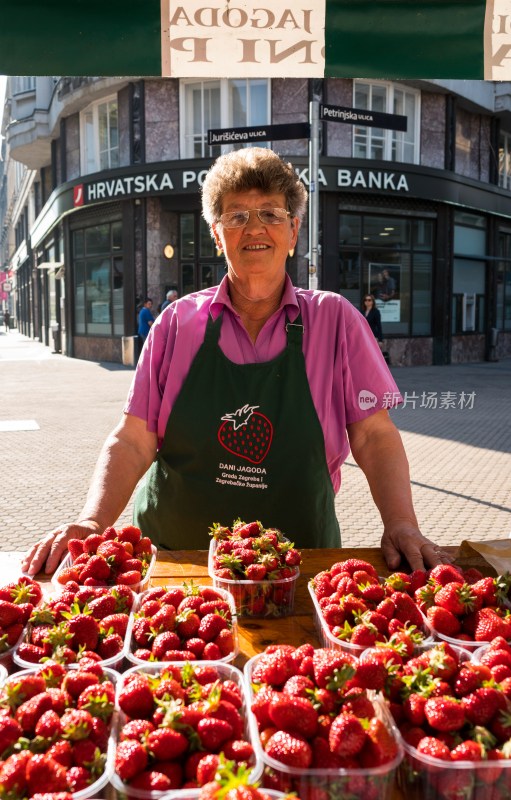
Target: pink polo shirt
<point x="347" y="374"/>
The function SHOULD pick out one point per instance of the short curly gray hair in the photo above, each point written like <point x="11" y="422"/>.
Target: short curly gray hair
<point x="251" y="168"/>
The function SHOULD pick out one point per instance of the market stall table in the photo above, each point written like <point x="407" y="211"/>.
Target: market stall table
<point x="174" y="567"/>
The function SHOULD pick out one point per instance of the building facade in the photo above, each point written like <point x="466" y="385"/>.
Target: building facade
<point x="101" y="204"/>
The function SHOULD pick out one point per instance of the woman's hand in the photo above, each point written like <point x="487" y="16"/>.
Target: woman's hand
<point x="402" y="539"/>
<point x="53" y="546"/>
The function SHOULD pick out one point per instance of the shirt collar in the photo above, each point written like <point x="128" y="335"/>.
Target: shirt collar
<point x="222" y="299"/>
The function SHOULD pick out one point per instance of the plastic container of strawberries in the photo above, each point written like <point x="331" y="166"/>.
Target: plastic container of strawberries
<point x="328" y="640"/>
<point x="136" y="587"/>
<point x="114" y="663"/>
<point x="257" y="598"/>
<point x="421" y="777"/>
<point x="378" y="782"/>
<point x="225" y="672"/>
<point x="94" y="789"/>
<point x="131" y="645"/>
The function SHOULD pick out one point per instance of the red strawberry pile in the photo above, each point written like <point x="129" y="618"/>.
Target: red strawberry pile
<point x="249" y="552"/>
<point x="108" y="558"/>
<point x="81" y="622"/>
<point x="54" y="730"/>
<point x="17" y="601"/>
<point x="178" y="720"/>
<point x="313" y="712"/>
<point x="360" y="609"/>
<point x="465" y="605"/>
<point x="183" y="623"/>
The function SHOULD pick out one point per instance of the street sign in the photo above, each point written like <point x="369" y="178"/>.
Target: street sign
<point x="263" y="133"/>
<point x="363" y="117"/>
<point x="7" y="286"/>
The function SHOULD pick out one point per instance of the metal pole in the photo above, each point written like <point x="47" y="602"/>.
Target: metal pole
<point x="313" y="193"/>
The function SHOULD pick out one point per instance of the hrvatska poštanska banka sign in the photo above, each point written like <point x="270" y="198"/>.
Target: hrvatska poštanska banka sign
<point x="464" y="39"/>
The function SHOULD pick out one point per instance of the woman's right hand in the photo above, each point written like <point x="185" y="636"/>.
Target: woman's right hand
<point x="53" y="547"/>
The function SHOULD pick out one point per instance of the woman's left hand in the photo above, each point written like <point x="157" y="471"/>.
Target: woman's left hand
<point x="402" y="539"/>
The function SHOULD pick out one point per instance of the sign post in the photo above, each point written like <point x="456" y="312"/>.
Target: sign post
<point x="313" y="193"/>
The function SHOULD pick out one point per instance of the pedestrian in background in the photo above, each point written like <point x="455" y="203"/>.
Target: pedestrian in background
<point x="373" y="317"/>
<point x="7" y="318"/>
<point x="145" y="319"/>
<point x="171" y="297"/>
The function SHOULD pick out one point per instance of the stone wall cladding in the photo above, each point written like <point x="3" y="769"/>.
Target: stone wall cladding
<point x="162" y="120"/>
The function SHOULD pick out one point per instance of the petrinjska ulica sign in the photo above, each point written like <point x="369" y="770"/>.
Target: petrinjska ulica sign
<point x="243" y="39"/>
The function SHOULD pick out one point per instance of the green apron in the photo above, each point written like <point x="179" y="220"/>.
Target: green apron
<point x="242" y="440"/>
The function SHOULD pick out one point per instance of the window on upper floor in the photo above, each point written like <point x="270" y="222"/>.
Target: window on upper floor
<point x="505" y="160"/>
<point x="379" y="143"/>
<point x="23" y="83"/>
<point x="220" y="103"/>
<point x="99" y="129"/>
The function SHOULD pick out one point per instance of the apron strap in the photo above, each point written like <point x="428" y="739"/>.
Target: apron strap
<point x="294" y="332"/>
<point x="213" y="328"/>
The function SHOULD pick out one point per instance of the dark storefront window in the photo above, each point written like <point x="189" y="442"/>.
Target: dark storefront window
<point x="201" y="265"/>
<point x="99" y="280"/>
<point x="469" y="274"/>
<point x="390" y="257"/>
<point x="504" y="282"/>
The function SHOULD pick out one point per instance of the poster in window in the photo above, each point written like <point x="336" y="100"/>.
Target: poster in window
<point x="385" y="285"/>
<point x="100" y="311"/>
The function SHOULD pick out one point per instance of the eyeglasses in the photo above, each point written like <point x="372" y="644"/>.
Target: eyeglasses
<point x="268" y="216"/>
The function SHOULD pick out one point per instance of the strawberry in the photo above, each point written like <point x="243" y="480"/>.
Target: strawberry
<point x="85" y="631"/>
<point x="290" y="750"/>
<point x="332" y="666"/>
<point x="405" y="609"/>
<point x="380" y="746"/>
<point x="75" y="548"/>
<point x="456" y="597"/>
<point x="167" y="744"/>
<point x="29" y="712"/>
<point x="444" y="713"/>
<point x="76" y="681"/>
<point x="115" y="623"/>
<point x="9" y="613"/>
<point x="130" y="578"/>
<point x="445" y="573"/>
<point x="443" y="621"/>
<point x="434" y="748"/>
<point x="136" y="698"/>
<point x="210" y="626"/>
<point x="42" y="770"/>
<point x="76" y="724"/>
<point x="295" y="715"/>
<point x="213" y="732"/>
<point x="48" y="725"/>
<point x="489" y="625"/>
<point x="10" y="731"/>
<point x="346" y="736"/>
<point x="130" y="759"/>
<point x="481" y="705"/>
<point x="13" y="773"/>
<point x="111" y="646"/>
<point x="129" y="533"/>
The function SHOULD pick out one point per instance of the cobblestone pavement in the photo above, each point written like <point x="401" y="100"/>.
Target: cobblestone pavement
<point x="455" y="425"/>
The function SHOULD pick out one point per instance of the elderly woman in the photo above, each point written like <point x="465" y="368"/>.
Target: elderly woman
<point x="248" y="396"/>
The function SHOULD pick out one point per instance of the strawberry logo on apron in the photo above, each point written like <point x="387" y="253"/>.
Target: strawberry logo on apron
<point x="246" y="433"/>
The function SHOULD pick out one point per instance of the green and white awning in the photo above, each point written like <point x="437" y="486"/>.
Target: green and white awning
<point x="401" y="39"/>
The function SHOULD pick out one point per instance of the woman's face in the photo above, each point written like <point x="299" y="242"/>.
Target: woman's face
<point x="256" y="249"/>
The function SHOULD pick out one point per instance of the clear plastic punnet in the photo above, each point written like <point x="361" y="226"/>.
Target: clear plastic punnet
<point x="98" y="788"/>
<point x="132" y="646"/>
<point x="264" y="598"/>
<point x="136" y="587"/>
<point x="422" y="777"/>
<point x="307" y="784"/>
<point x="225" y="672"/>
<point x="327" y="638"/>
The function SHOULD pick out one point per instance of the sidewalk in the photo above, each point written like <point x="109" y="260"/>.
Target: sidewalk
<point x="459" y="451"/>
